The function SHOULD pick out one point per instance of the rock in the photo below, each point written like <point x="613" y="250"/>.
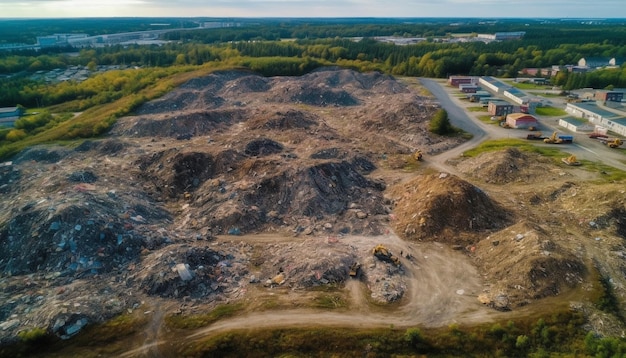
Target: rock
<point x="4" y="326"/>
<point x="519" y="237"/>
<point x="83" y="177"/>
<point x="254" y="279"/>
<point x="361" y="215"/>
<point x="328" y="226"/>
<point x="66" y="327"/>
<point x="501" y="303"/>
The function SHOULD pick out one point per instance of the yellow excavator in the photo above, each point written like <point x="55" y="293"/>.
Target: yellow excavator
<point x="553" y="139"/>
<point x="383" y="254"/>
<point x="418" y="155"/>
<point x="615" y="143"/>
<point x="571" y="160"/>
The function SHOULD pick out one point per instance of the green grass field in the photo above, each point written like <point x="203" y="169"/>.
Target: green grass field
<point x="550" y="111"/>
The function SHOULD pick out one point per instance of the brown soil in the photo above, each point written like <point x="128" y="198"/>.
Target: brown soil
<point x="442" y="207"/>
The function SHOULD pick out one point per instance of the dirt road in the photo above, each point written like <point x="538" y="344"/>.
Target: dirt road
<point x="442" y="289"/>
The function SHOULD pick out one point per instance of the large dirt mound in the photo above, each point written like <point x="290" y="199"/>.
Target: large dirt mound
<point x="195" y="272"/>
<point x="524" y="263"/>
<point x="292" y="119"/>
<point x="185" y="123"/>
<point x="334" y="77"/>
<point x="311" y="199"/>
<point x="325" y="262"/>
<point x="507" y="166"/>
<point x="328" y="261"/>
<point x="444" y="208"/>
<point x="228" y="153"/>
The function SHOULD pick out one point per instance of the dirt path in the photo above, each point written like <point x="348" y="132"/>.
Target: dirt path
<point x="442" y="289"/>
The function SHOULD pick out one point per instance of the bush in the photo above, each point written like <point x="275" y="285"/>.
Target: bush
<point x="440" y="124"/>
<point x="15" y="134"/>
<point x="522" y="342"/>
<point x="32" y="335"/>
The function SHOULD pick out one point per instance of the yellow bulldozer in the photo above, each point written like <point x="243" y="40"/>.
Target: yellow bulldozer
<point x="418" y="155"/>
<point x="571" y="160"/>
<point x="615" y="143"/>
<point x="383" y="254"/>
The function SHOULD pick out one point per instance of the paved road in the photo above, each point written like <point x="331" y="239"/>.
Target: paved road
<point x="583" y="147"/>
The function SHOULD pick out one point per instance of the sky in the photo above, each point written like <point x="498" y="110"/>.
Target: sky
<point x="314" y="8"/>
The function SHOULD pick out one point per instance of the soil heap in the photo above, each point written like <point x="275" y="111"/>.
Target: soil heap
<point x="442" y="207"/>
<point x="231" y="153"/>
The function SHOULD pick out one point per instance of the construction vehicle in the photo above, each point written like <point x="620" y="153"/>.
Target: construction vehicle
<point x="383" y="254"/>
<point x="354" y="269"/>
<point x="614" y="143"/>
<point x="558" y="139"/>
<point x="418" y="155"/>
<point x="571" y="160"/>
<point x="598" y="135"/>
<point x="553" y="139"/>
<point x="535" y="136"/>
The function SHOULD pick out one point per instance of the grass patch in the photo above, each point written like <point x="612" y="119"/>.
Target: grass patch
<point x="550" y="111"/>
<point x="95" y="340"/>
<point x="477" y="109"/>
<point x="609" y="174"/>
<point x="487" y="119"/>
<point x="202" y="320"/>
<point x="500" y="144"/>
<point x="529" y="86"/>
<point x="548" y="95"/>
<point x="114" y="330"/>
<point x="559" y="334"/>
<point x="555" y="152"/>
<point x="98" y="119"/>
<point x="330" y="301"/>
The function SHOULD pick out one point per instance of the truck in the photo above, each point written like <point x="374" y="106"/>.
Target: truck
<point x="559" y="139"/>
<point x="535" y="136"/>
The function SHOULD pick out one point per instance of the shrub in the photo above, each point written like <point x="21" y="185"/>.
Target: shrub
<point x="440" y="124"/>
<point x="15" y="134"/>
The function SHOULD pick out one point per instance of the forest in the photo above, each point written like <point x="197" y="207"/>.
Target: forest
<point x="280" y="47"/>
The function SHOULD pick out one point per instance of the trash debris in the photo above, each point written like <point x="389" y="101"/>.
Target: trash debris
<point x="183" y="272"/>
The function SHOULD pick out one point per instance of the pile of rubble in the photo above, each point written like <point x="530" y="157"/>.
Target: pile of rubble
<point x="92" y="231"/>
<point x="442" y="207"/>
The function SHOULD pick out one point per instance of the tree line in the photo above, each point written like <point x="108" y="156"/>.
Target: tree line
<point x="427" y="59"/>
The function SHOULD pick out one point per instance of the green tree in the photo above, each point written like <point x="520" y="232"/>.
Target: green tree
<point x="440" y="124"/>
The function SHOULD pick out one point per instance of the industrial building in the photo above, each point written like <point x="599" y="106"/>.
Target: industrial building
<point x="468" y="88"/>
<point x="609" y="96"/>
<point x="455" y="81"/>
<point x="521" y="120"/>
<point x="499" y="108"/>
<point x="576" y="124"/>
<point x="599" y="62"/>
<point x="493" y="85"/>
<point x="598" y="116"/>
<point x="8" y="115"/>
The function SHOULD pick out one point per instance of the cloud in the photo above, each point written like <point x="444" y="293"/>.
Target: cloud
<point x="312" y="8"/>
